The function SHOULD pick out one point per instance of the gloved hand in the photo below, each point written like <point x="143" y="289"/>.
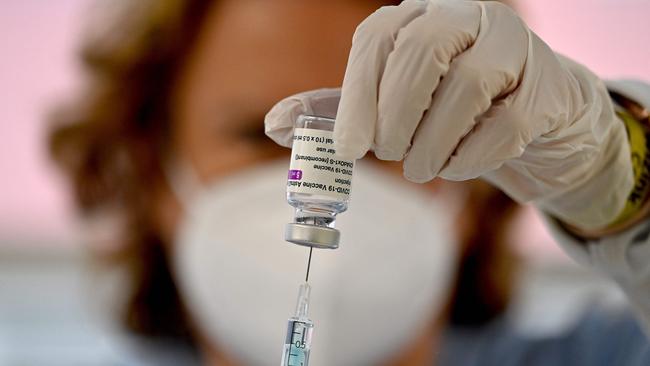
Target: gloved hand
<point x="464" y="89"/>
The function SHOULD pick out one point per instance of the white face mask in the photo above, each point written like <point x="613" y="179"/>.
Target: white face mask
<point x="370" y="297"/>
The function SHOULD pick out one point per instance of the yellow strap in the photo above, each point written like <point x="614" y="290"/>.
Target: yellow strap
<point x="639" y="138"/>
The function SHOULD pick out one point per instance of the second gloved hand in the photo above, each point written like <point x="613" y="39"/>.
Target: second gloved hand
<point x="464" y="89"/>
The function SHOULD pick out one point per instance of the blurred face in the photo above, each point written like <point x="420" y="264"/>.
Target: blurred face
<point x="249" y="55"/>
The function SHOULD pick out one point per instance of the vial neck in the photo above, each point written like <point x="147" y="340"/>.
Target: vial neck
<point x="315" y="217"/>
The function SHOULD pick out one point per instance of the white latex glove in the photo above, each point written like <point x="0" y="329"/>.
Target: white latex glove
<point x="462" y="89"/>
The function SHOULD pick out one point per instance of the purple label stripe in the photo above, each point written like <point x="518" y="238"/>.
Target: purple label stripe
<point x="295" y="174"/>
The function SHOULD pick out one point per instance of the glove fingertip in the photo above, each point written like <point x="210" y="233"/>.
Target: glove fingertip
<point x="417" y="178"/>
<point x="348" y="152"/>
<point x="279" y="121"/>
<point x="353" y="137"/>
<point x="281" y="136"/>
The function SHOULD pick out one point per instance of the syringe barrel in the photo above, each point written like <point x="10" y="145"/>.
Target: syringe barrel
<point x="297" y="344"/>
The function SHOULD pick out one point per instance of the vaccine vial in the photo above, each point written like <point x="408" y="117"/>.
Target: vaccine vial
<point x="318" y="184"/>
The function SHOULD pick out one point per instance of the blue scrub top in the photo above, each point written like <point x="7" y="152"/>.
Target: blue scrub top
<point x="599" y="338"/>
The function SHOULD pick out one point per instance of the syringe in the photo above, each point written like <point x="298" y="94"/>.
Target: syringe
<point x="297" y="344"/>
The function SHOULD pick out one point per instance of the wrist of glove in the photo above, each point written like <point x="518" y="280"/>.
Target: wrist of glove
<point x="461" y="90"/>
<point x="637" y="204"/>
<point x="581" y="172"/>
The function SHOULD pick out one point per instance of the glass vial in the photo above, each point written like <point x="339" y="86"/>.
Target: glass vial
<point x="318" y="184"/>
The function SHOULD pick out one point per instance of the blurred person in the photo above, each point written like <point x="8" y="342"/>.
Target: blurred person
<point x="178" y="87"/>
<point x="169" y="133"/>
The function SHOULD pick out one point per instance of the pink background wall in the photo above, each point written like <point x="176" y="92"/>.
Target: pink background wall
<point x="37" y="68"/>
<point x="612" y="37"/>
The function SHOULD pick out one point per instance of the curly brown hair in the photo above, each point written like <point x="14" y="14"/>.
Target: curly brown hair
<point x="112" y="141"/>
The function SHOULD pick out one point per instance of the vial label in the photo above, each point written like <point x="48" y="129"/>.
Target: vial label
<point x="315" y="168"/>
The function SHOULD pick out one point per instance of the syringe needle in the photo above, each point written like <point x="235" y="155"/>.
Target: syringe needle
<point x="308" y="264"/>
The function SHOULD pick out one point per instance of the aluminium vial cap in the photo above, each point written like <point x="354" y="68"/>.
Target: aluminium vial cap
<point x="321" y="237"/>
